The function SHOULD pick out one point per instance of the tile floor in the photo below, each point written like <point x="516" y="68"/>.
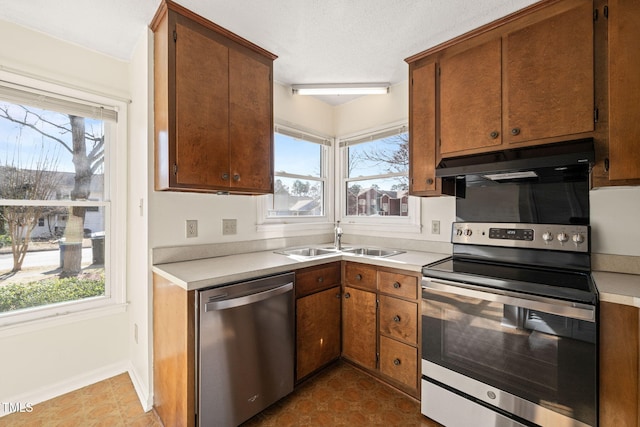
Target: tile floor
<point x="341" y="395"/>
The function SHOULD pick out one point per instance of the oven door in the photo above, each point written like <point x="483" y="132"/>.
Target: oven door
<point x="533" y="358"/>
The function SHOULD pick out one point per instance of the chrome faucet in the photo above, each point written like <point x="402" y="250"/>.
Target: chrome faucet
<point x="337" y="240"/>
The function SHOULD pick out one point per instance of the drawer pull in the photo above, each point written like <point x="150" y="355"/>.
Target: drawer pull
<point x="494" y="134"/>
<point x="320" y="279"/>
<point x="396" y="285"/>
<point x="338" y="295"/>
<point x="225" y="176"/>
<point x="396" y="362"/>
<point x="515" y="131"/>
<point x="236" y="177"/>
<point x="358" y="276"/>
<point x="347" y="295"/>
<point x="396" y="318"/>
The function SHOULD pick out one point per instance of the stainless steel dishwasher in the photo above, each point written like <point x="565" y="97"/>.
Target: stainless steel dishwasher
<point x="246" y="349"/>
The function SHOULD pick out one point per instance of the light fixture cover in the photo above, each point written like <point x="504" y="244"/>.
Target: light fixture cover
<point x="341" y="89"/>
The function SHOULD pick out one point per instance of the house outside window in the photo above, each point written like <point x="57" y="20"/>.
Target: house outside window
<point x="302" y="168"/>
<point x="56" y="187"/>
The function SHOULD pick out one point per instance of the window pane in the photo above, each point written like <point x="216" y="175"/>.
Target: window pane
<point x="378" y="157"/>
<point x="378" y="197"/>
<point x="294" y="197"/>
<point x="297" y="156"/>
<point x="37" y="149"/>
<point x="33" y="252"/>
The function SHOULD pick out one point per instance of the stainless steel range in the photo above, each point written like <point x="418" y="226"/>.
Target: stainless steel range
<point x="509" y="322"/>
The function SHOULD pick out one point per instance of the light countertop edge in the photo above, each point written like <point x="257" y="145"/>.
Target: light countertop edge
<point x="619" y="288"/>
<point x="208" y="272"/>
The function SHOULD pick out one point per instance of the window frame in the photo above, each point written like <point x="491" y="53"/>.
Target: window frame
<point x="113" y="204"/>
<point x="411" y="223"/>
<point x="266" y="223"/>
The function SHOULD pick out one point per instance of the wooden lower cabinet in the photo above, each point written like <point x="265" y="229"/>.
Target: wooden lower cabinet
<point x="619" y="365"/>
<point x="380" y="324"/>
<point x="359" y="335"/>
<point x="318" y="317"/>
<point x="317" y="331"/>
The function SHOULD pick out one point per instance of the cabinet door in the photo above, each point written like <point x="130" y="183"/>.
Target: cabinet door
<point x="251" y="122"/>
<point x="359" y="327"/>
<point x="471" y="99"/>
<point x="399" y="361"/>
<point x="317" y="278"/>
<point x="399" y="319"/>
<point x="317" y="330"/>
<point x="202" y="109"/>
<point x="619" y="346"/>
<point x="624" y="87"/>
<point x="549" y="77"/>
<point x="422" y="131"/>
<point x="360" y="275"/>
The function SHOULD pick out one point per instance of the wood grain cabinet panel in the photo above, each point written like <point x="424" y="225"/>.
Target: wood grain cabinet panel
<point x="549" y="80"/>
<point x="313" y="279"/>
<point x="399" y="319"/>
<point x="471" y="99"/>
<point x="399" y="362"/>
<point x="619" y="365"/>
<point x="398" y="285"/>
<point x="360" y="276"/>
<point x="422" y="131"/>
<point x="359" y="333"/>
<point x="213" y="107"/>
<point x="317" y="330"/>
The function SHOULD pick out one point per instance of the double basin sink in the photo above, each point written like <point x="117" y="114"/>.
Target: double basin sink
<point x="310" y="252"/>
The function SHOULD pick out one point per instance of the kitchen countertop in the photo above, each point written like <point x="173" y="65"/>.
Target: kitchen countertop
<point x="618" y="287"/>
<point x="207" y="272"/>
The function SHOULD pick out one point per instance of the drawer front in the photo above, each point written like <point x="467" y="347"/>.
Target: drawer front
<point x="399" y="319"/>
<point x="314" y="279"/>
<point x="400" y="285"/>
<point x="360" y="276"/>
<point x="399" y="362"/>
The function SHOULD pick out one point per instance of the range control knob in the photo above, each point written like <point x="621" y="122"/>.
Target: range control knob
<point x="468" y="232"/>
<point x="547" y="237"/>
<point x="563" y="237"/>
<point x="458" y="231"/>
<point x="578" y="238"/>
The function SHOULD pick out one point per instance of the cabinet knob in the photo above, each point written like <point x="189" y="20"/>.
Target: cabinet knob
<point x="515" y="131"/>
<point x="338" y="295"/>
<point x="396" y="285"/>
<point x="396" y="362"/>
<point x="358" y="276"/>
<point x="320" y="279"/>
<point x="225" y="176"/>
<point x="236" y="177"/>
<point x="396" y="318"/>
<point x="429" y="181"/>
<point x="347" y="295"/>
<point x="494" y="134"/>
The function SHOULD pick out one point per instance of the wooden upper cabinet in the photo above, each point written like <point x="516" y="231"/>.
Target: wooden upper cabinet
<point x="624" y="91"/>
<point x="213" y="107"/>
<point x="548" y="77"/>
<point x="422" y="130"/>
<point x="471" y="99"/>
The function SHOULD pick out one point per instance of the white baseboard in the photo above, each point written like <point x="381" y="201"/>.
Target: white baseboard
<point x="71" y="384"/>
<point x="146" y="400"/>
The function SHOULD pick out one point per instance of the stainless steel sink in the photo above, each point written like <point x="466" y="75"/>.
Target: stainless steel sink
<point x="307" y="252"/>
<point x="374" y="252"/>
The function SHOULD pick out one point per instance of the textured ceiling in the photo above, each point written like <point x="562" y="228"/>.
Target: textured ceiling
<point x="317" y="41"/>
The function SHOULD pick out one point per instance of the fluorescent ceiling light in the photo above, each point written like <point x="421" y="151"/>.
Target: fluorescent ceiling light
<point x="341" y="89"/>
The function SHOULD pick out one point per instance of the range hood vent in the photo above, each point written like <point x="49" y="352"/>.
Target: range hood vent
<point x="520" y="163"/>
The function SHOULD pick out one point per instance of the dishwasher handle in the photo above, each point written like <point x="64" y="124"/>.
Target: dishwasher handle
<point x="247" y="299"/>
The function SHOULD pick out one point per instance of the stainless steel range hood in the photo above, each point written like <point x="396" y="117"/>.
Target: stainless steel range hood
<point x="521" y="163"/>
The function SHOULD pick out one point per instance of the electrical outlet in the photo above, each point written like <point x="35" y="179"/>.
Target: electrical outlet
<point x="435" y="226"/>
<point x="229" y="226"/>
<point x="192" y="228"/>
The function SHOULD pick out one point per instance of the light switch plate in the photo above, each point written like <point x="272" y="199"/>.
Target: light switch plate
<point x="435" y="226"/>
<point x="229" y="226"/>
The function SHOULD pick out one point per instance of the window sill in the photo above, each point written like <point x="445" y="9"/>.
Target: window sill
<point x="8" y="327"/>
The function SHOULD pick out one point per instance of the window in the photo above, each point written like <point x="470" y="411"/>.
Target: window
<point x="301" y="164"/>
<point x="57" y="158"/>
<point x="376" y="179"/>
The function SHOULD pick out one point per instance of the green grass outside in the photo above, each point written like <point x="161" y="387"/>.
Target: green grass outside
<point x="50" y="291"/>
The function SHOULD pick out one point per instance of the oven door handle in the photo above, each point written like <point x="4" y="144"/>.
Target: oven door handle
<point x="560" y="308"/>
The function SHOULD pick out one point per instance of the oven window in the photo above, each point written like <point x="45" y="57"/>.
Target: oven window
<point x="544" y="358"/>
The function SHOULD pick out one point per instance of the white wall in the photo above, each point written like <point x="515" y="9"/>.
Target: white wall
<point x="61" y="356"/>
<point x="615" y="214"/>
<point x="138" y="258"/>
